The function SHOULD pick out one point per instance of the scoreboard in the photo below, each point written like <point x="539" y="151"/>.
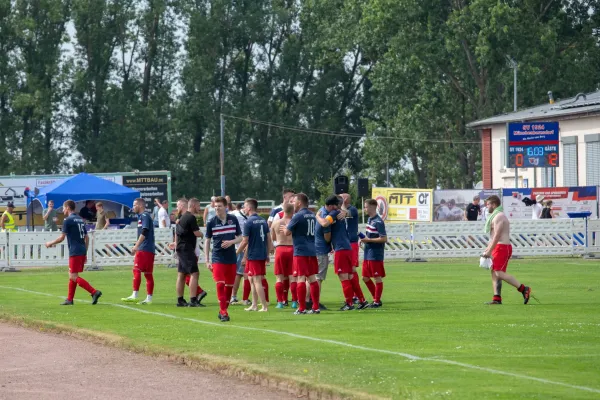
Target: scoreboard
<point x="533" y="144"/>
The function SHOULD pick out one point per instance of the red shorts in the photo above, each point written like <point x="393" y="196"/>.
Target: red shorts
<point x="355" y="248"/>
<point x="224" y="273"/>
<point x="373" y="269"/>
<point x="500" y="257"/>
<point x="256" y="267"/>
<point x="284" y="260"/>
<point x="76" y="264"/>
<point x="342" y="262"/>
<point x="144" y="262"/>
<point x="305" y="266"/>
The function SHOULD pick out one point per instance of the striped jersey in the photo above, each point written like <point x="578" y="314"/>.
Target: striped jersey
<point x="219" y="231"/>
<point x="375" y="229"/>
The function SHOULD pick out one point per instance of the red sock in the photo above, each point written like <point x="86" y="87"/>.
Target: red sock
<point x="371" y="286"/>
<point x="301" y="289"/>
<point x="286" y="289"/>
<point x="228" y="291"/>
<point x="314" y="294"/>
<point x="265" y="285"/>
<point x="378" y="291"/>
<point x="247" y="289"/>
<point x="279" y="291"/>
<point x="149" y="283"/>
<point x="85" y="285"/>
<point x="137" y="280"/>
<point x="356" y="288"/>
<point x="72" y="287"/>
<point x="199" y="290"/>
<point x="348" y="292"/>
<point x="294" y="290"/>
<point x="187" y="280"/>
<point x="222" y="298"/>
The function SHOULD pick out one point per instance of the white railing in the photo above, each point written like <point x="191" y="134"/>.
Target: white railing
<point x="562" y="237"/>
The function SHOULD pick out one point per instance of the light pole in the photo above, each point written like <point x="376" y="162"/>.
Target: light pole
<point x="222" y="156"/>
<point x="515" y="66"/>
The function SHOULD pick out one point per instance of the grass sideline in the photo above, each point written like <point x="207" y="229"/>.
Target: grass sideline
<point x="431" y="310"/>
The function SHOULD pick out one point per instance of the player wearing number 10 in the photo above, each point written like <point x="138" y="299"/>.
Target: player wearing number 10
<point x="302" y="230"/>
<point x="74" y="230"/>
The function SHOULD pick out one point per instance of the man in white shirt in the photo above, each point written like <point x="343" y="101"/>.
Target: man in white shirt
<point x="537" y="208"/>
<point x="163" y="215"/>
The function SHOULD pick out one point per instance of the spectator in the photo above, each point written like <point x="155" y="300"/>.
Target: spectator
<point x="454" y="213"/>
<point x="547" y="212"/>
<point x="88" y="212"/>
<point x="537" y="207"/>
<point x="473" y="210"/>
<point x="50" y="218"/>
<point x="230" y="207"/>
<point x="155" y="210"/>
<point x="164" y="221"/>
<point x="102" y="221"/>
<point x="209" y="211"/>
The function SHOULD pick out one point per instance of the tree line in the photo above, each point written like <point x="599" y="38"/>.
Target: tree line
<point x="119" y="85"/>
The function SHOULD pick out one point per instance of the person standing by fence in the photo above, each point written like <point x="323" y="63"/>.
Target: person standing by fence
<point x="7" y="222"/>
<point x="49" y="217"/>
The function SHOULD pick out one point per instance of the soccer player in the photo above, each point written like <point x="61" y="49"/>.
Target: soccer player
<point x="240" y="273"/>
<point x="500" y="250"/>
<point x="74" y="230"/>
<point x="287" y="194"/>
<point x="143" y="251"/>
<point x="305" y="267"/>
<point x="374" y="245"/>
<point x="352" y="225"/>
<point x="323" y="244"/>
<point x="342" y="261"/>
<point x="284" y="259"/>
<point x="223" y="231"/>
<point x="186" y="233"/>
<point x="257" y="246"/>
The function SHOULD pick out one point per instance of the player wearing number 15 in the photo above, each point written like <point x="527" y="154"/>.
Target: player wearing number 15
<point x="302" y="230"/>
<point x="74" y="230"/>
<point x="258" y="243"/>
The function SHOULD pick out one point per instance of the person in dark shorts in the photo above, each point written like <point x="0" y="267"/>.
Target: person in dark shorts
<point x="186" y="233"/>
<point x="74" y="230"/>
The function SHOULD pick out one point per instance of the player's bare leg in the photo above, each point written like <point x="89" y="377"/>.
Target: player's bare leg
<point x="496" y="289"/>
<point x="254" y="305"/>
<point x="259" y="289"/>
<point x="524" y="290"/>
<point x="236" y="288"/>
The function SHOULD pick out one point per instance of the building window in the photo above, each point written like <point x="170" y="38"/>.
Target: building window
<point x="503" y="162"/>
<point x="592" y="163"/>
<point x="570" y="170"/>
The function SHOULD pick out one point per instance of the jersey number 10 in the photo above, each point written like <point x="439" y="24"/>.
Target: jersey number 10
<point x="311" y="227"/>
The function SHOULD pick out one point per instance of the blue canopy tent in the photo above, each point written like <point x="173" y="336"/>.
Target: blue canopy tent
<point x="83" y="187"/>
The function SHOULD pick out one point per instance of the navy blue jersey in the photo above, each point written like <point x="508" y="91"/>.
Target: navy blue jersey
<point x="256" y="230"/>
<point x="340" y="240"/>
<point x="352" y="223"/>
<point x="302" y="226"/>
<point x="74" y="228"/>
<point x="145" y="222"/>
<point x="375" y="229"/>
<point x="321" y="246"/>
<point x="219" y="231"/>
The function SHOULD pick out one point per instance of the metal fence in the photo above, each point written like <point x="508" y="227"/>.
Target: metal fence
<point x="562" y="237"/>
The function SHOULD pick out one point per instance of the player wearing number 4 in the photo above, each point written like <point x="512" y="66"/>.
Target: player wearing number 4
<point x="143" y="251"/>
<point x="500" y="250"/>
<point x="259" y="245"/>
<point x="74" y="230"/>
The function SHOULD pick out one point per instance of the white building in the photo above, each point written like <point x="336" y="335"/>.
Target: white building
<point x="579" y="150"/>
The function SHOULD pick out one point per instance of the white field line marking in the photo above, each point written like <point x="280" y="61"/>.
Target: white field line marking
<point x="334" y="342"/>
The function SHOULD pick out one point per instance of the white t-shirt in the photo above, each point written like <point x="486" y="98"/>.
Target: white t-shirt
<point x="536" y="211"/>
<point x="455" y="214"/>
<point x="163" y="215"/>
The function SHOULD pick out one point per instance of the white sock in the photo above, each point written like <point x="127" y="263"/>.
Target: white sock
<point x="149" y="297"/>
<point x="134" y="294"/>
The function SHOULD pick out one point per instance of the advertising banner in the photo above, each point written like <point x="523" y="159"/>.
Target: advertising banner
<point x="403" y="205"/>
<point x="450" y="205"/>
<point x="149" y="186"/>
<point x="564" y="200"/>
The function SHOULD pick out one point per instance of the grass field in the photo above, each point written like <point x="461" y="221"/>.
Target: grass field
<point x="433" y="311"/>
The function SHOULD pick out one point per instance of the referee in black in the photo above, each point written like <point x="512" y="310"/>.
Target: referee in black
<point x="186" y="232"/>
<point x="473" y="210"/>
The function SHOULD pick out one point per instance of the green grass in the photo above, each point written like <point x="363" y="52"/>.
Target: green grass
<point x="432" y="310"/>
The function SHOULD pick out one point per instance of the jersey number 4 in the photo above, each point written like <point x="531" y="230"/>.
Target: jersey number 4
<point x="262" y="233"/>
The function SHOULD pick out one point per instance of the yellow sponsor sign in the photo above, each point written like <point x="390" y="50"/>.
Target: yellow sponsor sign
<point x="404" y="205"/>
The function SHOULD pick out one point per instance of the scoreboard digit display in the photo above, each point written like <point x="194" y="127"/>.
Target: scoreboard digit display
<point x="533" y="144"/>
